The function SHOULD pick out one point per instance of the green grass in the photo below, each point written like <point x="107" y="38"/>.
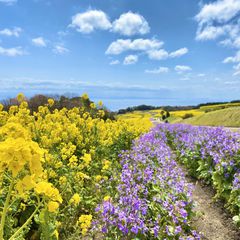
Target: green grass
<point x="229" y="117"/>
<point x="210" y="108"/>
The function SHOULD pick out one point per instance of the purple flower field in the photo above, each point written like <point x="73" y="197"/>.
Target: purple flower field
<point x="152" y="199"/>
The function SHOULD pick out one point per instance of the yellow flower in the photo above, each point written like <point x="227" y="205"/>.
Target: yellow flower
<point x="92" y="105"/>
<point x="98" y="178"/>
<point x="62" y="180"/>
<point x="75" y="199"/>
<point x="20" y="97"/>
<point x="50" y="102"/>
<point x="25" y="184"/>
<point x="56" y="234"/>
<point x="106" y="198"/>
<point x="73" y="161"/>
<point x="86" y="159"/>
<point x="100" y="103"/>
<point x="81" y="176"/>
<point x="53" y="206"/>
<point x="15" y="154"/>
<point x="85" y="222"/>
<point x="48" y="190"/>
<point x="106" y="165"/>
<point x="85" y="96"/>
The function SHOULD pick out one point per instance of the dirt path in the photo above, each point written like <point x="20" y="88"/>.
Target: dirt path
<point x="213" y="220"/>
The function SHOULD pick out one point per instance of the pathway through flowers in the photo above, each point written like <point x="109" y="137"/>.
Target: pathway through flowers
<point x="213" y="221"/>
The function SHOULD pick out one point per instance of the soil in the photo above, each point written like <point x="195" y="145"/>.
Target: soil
<point x="212" y="221"/>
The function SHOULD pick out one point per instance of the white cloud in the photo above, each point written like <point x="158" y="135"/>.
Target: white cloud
<point x="220" y="10"/>
<point x="233" y="43"/>
<point x="178" y="53"/>
<point x="201" y="75"/>
<point x="218" y="18"/>
<point x="130" y="24"/>
<point x="237" y="73"/>
<point x="59" y="49"/>
<point x="122" y="45"/>
<point x="158" y="54"/>
<point x="151" y="47"/>
<point x="11" y="32"/>
<point x="114" y="62"/>
<point x="182" y="68"/>
<point x="236" y="42"/>
<point x="233" y="59"/>
<point x="8" y="2"/>
<point x="237" y="69"/>
<point x="221" y="19"/>
<point x="211" y="32"/>
<point x="39" y="42"/>
<point x="158" y="70"/>
<point x="90" y="20"/>
<point x="226" y="42"/>
<point x="12" y="52"/>
<point x="130" y="59"/>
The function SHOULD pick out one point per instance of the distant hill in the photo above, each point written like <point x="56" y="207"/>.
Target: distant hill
<point x="229" y="117"/>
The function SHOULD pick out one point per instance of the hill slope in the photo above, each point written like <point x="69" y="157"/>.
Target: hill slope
<point x="229" y="117"/>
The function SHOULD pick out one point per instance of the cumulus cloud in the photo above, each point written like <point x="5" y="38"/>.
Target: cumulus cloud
<point x="217" y="19"/>
<point x="233" y="59"/>
<point x="12" y="52"/>
<point x="8" y="2"/>
<point x="158" y="70"/>
<point x="221" y="19"/>
<point x="39" y="42"/>
<point x="178" y="53"/>
<point x="235" y="43"/>
<point x="220" y="10"/>
<point x="211" y="32"/>
<point x="182" y="68"/>
<point x="59" y="49"/>
<point x="91" y="20"/>
<point x="122" y="45"/>
<point x="114" y="62"/>
<point x="130" y="24"/>
<point x="158" y="54"/>
<point x="151" y="47"/>
<point x="130" y="59"/>
<point x="11" y="32"/>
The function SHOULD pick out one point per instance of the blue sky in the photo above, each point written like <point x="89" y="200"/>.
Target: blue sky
<point x="125" y="52"/>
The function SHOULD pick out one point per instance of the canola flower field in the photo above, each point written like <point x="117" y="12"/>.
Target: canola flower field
<point x="66" y="174"/>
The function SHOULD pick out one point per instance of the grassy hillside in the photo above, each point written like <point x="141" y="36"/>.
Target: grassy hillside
<point x="210" y="108"/>
<point x="212" y="115"/>
<point x="229" y="117"/>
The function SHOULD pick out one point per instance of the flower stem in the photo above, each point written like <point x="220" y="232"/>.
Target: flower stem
<point x="25" y="224"/>
<point x="4" y="212"/>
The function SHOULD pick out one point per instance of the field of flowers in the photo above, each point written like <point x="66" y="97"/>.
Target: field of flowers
<point x="69" y="174"/>
<point x="212" y="155"/>
<point x="55" y="167"/>
<point x="152" y="198"/>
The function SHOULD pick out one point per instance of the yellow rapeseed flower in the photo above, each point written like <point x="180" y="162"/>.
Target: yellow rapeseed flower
<point x="53" y="206"/>
<point x="50" y="102"/>
<point x="75" y="199"/>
